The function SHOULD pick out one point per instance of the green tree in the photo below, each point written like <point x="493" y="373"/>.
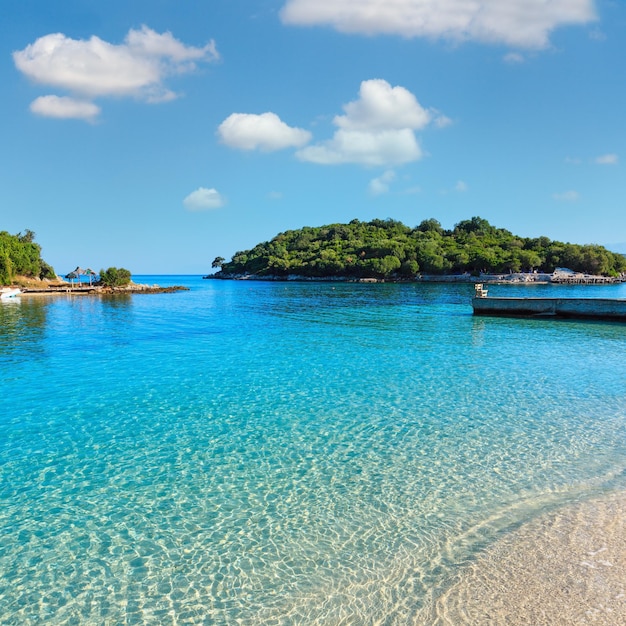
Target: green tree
<point x="529" y="260"/>
<point x="115" y="277"/>
<point x="47" y="272"/>
<point x="385" y="248"/>
<point x="27" y="237"/>
<point x="6" y="269"/>
<point x="431" y="225"/>
<point x="20" y="255"/>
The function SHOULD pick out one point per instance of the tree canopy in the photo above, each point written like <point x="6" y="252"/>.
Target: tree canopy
<point x="389" y="249"/>
<point x="115" y="277"/>
<point x="21" y="256"/>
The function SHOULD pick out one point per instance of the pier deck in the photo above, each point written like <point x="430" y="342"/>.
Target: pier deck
<point x="575" y="308"/>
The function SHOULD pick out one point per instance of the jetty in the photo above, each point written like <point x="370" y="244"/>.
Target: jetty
<point x="610" y="309"/>
<point x="132" y="288"/>
<point x="59" y="289"/>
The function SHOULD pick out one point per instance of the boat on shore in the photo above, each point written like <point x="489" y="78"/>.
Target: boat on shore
<point x="610" y="309"/>
<point x="9" y="292"/>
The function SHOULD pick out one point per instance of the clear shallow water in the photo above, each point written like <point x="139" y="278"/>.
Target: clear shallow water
<point x="271" y="453"/>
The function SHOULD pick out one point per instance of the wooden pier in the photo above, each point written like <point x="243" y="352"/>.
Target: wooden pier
<point x="609" y="309"/>
<point x="61" y="289"/>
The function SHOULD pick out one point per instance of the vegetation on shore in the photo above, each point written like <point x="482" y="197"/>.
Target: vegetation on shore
<point x="115" y="277"/>
<point x="389" y="249"/>
<point x="21" y="256"/>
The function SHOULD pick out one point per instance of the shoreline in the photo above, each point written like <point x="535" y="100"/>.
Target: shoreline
<point x="31" y="292"/>
<point x="565" y="568"/>
<point x="520" y="278"/>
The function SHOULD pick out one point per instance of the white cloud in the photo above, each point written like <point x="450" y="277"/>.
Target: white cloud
<point x="520" y="23"/>
<point x="573" y="160"/>
<point x="203" y="199"/>
<point x="412" y="190"/>
<point x="64" y="108"/>
<point x="275" y="195"/>
<point x="514" y="58"/>
<point x="441" y="121"/>
<point x="567" y="196"/>
<point x="607" y="159"/>
<point x="380" y="185"/>
<point x="597" y="35"/>
<point x="387" y="147"/>
<point x="266" y="132"/>
<point x="95" y="68"/>
<point x="383" y="107"/>
<point x="459" y="187"/>
<point x="377" y="129"/>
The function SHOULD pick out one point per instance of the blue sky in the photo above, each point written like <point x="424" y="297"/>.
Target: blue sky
<point x="156" y="135"/>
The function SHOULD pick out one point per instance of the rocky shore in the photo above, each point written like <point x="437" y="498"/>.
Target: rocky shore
<point x="534" y="278"/>
<point x="34" y="287"/>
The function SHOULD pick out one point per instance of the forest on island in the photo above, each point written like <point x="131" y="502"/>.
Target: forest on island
<point x="21" y="256"/>
<point x="389" y="249"/>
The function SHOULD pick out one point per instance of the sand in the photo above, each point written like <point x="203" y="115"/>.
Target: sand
<point x="567" y="568"/>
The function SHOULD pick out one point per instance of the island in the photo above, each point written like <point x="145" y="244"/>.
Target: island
<point x="388" y="250"/>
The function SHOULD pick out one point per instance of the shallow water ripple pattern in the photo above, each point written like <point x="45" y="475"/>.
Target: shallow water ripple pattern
<point x="263" y="453"/>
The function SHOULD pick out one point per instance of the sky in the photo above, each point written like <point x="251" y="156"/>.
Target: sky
<point x="156" y="135"/>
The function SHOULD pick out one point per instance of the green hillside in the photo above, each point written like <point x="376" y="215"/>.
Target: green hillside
<point x="389" y="249"/>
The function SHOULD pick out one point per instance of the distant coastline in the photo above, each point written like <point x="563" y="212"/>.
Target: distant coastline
<point x="389" y="251"/>
<point x="518" y="278"/>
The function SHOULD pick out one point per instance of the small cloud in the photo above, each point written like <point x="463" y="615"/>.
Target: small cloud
<point x="573" y="160"/>
<point x="567" y="196"/>
<point x="440" y="120"/>
<point x="265" y="132"/>
<point x="64" y="108"/>
<point x="459" y="187"/>
<point x="514" y="58"/>
<point x="203" y="199"/>
<point x="607" y="159"/>
<point x="275" y="195"/>
<point x="412" y="190"/>
<point x="380" y="185"/>
<point x="597" y="35"/>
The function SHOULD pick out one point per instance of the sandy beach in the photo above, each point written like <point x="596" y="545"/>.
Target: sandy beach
<point x="567" y="568"/>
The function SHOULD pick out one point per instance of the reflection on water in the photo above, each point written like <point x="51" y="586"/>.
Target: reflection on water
<point x="22" y="327"/>
<point x="117" y="301"/>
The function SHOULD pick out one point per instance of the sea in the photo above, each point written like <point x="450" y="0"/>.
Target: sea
<point x="284" y="453"/>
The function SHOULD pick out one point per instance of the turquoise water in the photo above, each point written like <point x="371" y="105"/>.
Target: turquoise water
<point x="286" y="453"/>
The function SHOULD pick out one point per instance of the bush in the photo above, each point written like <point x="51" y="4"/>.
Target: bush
<point x="115" y="277"/>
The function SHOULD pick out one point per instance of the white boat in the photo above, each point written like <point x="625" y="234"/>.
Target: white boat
<point x="9" y="292"/>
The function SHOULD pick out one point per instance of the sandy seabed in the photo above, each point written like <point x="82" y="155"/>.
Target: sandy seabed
<point x="567" y="568"/>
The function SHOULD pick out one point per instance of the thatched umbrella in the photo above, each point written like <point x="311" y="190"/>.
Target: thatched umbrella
<point x="72" y="276"/>
<point x="90" y="273"/>
<point x="79" y="271"/>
